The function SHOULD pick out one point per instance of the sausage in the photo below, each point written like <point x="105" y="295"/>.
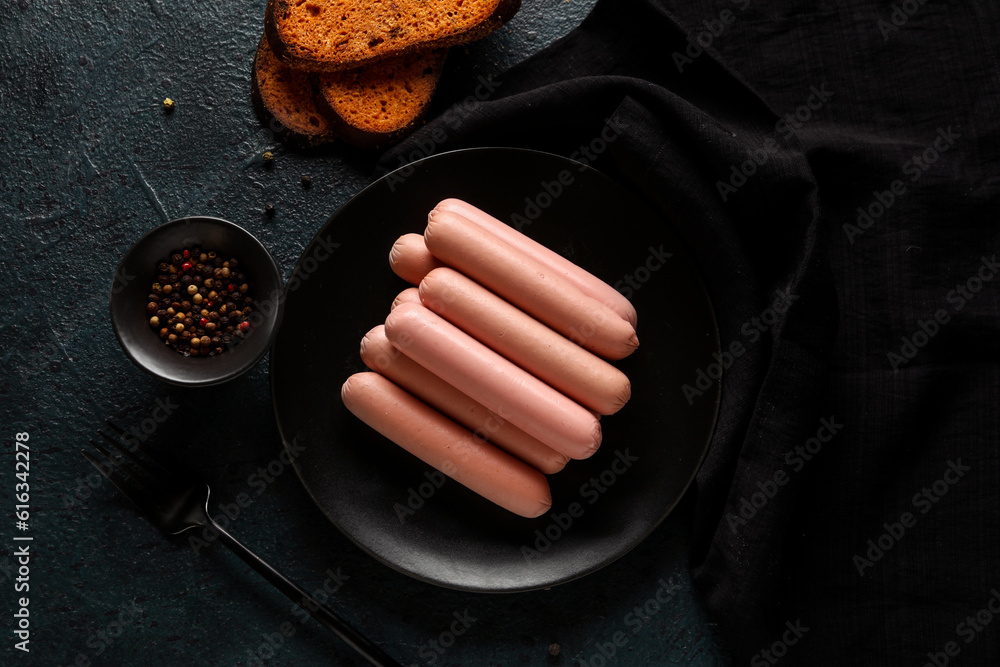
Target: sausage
<point x="536" y="348"/>
<point x="446" y="446"/>
<point x="410" y="259"/>
<point x="409" y="295"/>
<point x="533" y="287"/>
<point x="587" y="282"/>
<point x="486" y="377"/>
<point x="380" y="356"/>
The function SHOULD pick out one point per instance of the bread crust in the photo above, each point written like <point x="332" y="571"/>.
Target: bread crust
<point x="330" y="60"/>
<point x="271" y="118"/>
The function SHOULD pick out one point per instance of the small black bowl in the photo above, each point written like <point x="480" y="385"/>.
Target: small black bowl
<point x="137" y="272"/>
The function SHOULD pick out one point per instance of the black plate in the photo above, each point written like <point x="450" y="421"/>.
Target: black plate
<point x="387" y="501"/>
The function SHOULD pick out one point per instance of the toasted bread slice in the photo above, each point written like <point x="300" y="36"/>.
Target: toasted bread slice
<point x="335" y="35"/>
<point x="375" y="105"/>
<point x="365" y="107"/>
<point x="284" y="100"/>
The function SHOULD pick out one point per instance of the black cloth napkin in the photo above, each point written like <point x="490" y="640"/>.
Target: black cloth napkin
<point x="834" y="172"/>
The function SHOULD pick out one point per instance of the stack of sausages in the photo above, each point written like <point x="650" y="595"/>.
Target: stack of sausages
<point x="494" y="368"/>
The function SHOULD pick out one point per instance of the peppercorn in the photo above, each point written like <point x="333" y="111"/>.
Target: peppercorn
<point x="268" y="158"/>
<point x="269" y="209"/>
<point x="192" y="326"/>
<point x="306" y="181"/>
<point x="168" y="105"/>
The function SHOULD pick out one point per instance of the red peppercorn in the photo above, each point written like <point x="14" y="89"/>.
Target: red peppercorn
<point x="203" y="321"/>
<point x="187" y="254"/>
<point x="232" y="287"/>
<point x="186" y="266"/>
<point x="244" y="326"/>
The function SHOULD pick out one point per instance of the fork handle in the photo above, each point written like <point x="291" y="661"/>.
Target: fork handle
<point x="330" y="620"/>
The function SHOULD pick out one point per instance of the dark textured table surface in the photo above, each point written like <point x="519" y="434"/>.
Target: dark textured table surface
<point x="91" y="163"/>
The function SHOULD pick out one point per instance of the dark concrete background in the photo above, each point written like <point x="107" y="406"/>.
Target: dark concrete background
<point x="90" y="162"/>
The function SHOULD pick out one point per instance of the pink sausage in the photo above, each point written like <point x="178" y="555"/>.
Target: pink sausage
<point x="587" y="282"/>
<point x="536" y="348"/>
<point x="409" y="295"/>
<point x="410" y="259"/>
<point x="446" y="446"/>
<point x="528" y="284"/>
<point x="380" y="356"/>
<point x="486" y="377"/>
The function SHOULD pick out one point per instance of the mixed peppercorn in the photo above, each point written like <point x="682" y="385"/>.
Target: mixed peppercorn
<point x="200" y="304"/>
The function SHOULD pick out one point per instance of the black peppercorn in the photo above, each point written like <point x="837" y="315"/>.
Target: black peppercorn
<point x="269" y="209"/>
<point x="306" y="181"/>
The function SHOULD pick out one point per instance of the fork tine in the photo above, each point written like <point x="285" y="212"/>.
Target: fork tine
<point x="111" y="472"/>
<point x="162" y="467"/>
<point x="155" y="475"/>
<point x="165" y="464"/>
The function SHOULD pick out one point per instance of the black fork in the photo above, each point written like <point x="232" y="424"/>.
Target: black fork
<point x="174" y="500"/>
